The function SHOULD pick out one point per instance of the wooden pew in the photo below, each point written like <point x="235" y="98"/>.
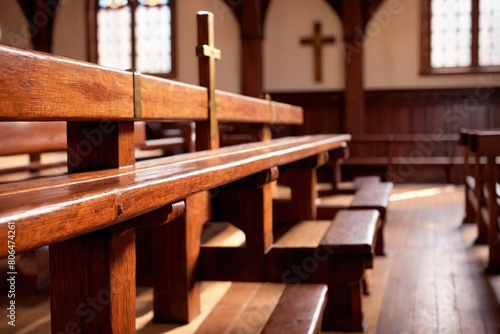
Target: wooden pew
<point x="396" y="157"/>
<point x="97" y="251"/>
<point x="35" y="139"/>
<point x="469" y="180"/>
<point x="485" y="143"/>
<point x="367" y="194"/>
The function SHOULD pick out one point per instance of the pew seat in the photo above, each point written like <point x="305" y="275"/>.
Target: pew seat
<point x="62" y="209"/>
<point x="371" y="195"/>
<point x="267" y="308"/>
<point x="335" y="253"/>
<point x="121" y="194"/>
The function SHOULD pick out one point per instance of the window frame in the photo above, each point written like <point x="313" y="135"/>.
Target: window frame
<point x="425" y="45"/>
<point x="92" y="9"/>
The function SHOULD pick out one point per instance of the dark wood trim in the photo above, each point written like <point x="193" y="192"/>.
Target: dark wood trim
<point x="425" y="37"/>
<point x="354" y="93"/>
<point x="475" y="34"/>
<point x="40" y="15"/>
<point x="251" y="26"/>
<point x="92" y="31"/>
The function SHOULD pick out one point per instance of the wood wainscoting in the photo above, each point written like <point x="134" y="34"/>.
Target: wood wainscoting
<point x="405" y="111"/>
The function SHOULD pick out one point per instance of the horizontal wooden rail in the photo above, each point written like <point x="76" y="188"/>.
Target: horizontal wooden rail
<point x="68" y="206"/>
<point x="43" y="87"/>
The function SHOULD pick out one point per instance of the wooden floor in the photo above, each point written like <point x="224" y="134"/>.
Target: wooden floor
<point x="431" y="280"/>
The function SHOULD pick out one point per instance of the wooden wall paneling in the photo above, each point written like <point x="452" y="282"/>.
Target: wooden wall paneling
<point x="402" y="119"/>
<point x="322" y="110"/>
<point x="385" y="119"/>
<point x="352" y="18"/>
<point x="417" y="121"/>
<point x="482" y="117"/>
<point x="495" y="113"/>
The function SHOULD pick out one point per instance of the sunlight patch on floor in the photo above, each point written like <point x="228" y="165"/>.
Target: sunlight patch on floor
<point x="422" y="193"/>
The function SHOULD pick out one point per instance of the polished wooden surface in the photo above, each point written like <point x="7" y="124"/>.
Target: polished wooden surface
<point x="352" y="232"/>
<point x="431" y="281"/>
<point x="127" y="192"/>
<point x="32" y="137"/>
<point x="298" y="310"/>
<point x="34" y="95"/>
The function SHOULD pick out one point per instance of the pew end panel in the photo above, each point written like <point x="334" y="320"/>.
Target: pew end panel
<point x="485" y="143"/>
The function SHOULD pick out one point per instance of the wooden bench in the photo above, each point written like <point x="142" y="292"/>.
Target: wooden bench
<point x="303" y="203"/>
<point x="267" y="308"/>
<point x="337" y="254"/>
<point x="24" y="146"/>
<point x="396" y="157"/>
<point x="485" y="144"/>
<point x="469" y="180"/>
<point x="97" y="251"/>
<point x="141" y="189"/>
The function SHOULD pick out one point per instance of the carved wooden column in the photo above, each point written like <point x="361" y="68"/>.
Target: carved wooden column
<point x="40" y="15"/>
<point x="352" y="13"/>
<point x="251" y="48"/>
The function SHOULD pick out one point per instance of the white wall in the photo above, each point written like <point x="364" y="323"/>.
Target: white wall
<point x="392" y="51"/>
<point x="288" y="65"/>
<point x="227" y="39"/>
<point x="391" y="54"/>
<point x="70" y="36"/>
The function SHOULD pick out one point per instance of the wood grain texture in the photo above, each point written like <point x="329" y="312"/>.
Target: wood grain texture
<point x="175" y="255"/>
<point x="93" y="283"/>
<point x="165" y="99"/>
<point x="32" y="137"/>
<point x="485" y="143"/>
<point x="432" y="270"/>
<point x="374" y="196"/>
<point x="352" y="231"/>
<point x="235" y="108"/>
<point x="299" y="310"/>
<point x="121" y="194"/>
<point x="82" y="91"/>
<point x="85" y="91"/>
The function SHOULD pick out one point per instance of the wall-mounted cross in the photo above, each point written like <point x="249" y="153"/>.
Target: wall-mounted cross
<point x="207" y="137"/>
<point x="317" y="40"/>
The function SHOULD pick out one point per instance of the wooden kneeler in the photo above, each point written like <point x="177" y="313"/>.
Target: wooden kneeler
<point x="247" y="205"/>
<point x="338" y="260"/>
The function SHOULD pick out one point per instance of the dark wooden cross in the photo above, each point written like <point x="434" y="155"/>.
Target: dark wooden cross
<point x="317" y="40"/>
<point x="207" y="137"/>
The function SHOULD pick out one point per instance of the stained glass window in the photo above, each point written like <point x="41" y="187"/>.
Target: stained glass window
<point x="451" y="34"/>
<point x="153" y="39"/>
<point x="114" y="36"/>
<point x="460" y="35"/>
<point x="153" y="2"/>
<point x="112" y="3"/>
<point x="135" y="34"/>
<point x="489" y="33"/>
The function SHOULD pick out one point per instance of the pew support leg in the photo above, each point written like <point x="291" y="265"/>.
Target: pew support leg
<point x="175" y="255"/>
<point x="92" y="283"/>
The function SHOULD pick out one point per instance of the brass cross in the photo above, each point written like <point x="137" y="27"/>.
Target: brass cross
<point x="317" y="40"/>
<point x="207" y="54"/>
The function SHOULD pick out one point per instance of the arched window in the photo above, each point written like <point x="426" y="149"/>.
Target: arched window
<point x="133" y="34"/>
<point x="460" y="36"/>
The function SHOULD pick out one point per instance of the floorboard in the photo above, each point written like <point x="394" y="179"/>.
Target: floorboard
<point x="431" y="280"/>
